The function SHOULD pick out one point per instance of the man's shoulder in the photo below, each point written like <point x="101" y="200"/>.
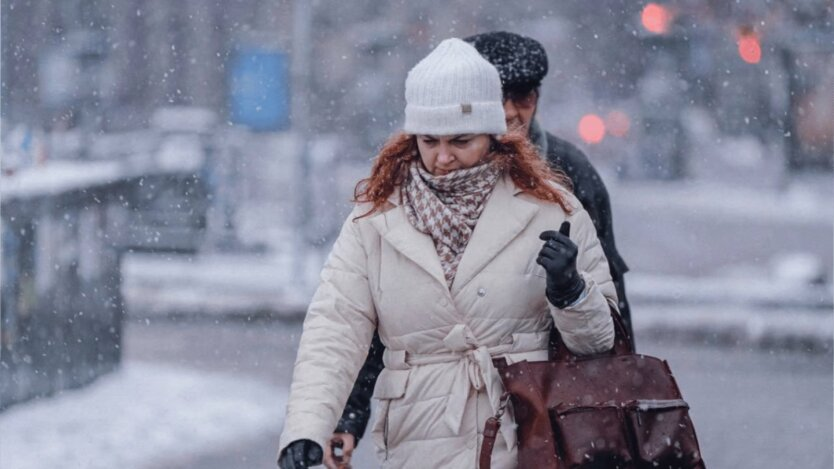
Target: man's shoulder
<point x="564" y="150"/>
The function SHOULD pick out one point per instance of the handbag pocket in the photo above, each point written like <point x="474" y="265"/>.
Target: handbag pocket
<point x="591" y="436"/>
<point x="663" y="434"/>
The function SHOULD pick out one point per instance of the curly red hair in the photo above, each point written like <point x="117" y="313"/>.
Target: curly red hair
<point x="514" y="152"/>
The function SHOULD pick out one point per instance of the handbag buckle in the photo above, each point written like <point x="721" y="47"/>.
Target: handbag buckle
<point x="502" y="405"/>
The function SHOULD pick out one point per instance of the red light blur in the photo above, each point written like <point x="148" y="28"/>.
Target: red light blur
<point x="656" y="18"/>
<point x="749" y="47"/>
<point x="591" y="128"/>
<point x="617" y="123"/>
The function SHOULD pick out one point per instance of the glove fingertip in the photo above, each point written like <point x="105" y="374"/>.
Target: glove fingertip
<point x="545" y="235"/>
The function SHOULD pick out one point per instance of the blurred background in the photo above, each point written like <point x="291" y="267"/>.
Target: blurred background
<point x="174" y="173"/>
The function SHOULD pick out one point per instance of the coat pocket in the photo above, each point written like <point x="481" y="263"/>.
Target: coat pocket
<point x="591" y="436"/>
<point x="390" y="386"/>
<point x="663" y="434"/>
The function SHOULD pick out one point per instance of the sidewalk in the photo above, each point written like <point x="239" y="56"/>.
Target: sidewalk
<point x="142" y="415"/>
<point x="212" y="395"/>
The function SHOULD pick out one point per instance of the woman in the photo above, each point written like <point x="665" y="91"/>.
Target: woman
<point x="451" y="253"/>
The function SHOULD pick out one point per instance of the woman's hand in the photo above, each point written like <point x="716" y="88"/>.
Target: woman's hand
<point x="300" y="454"/>
<point x="558" y="257"/>
<point x="347" y="443"/>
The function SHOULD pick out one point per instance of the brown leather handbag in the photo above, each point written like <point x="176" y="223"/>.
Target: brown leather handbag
<point x="612" y="410"/>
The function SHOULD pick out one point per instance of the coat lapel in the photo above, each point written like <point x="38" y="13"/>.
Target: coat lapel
<point x="394" y="227"/>
<point x="503" y="218"/>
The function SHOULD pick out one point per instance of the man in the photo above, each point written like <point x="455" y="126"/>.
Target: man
<point x="521" y="64"/>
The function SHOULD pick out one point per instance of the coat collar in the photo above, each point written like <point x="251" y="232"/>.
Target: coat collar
<point x="504" y="217"/>
<point x="394" y="227"/>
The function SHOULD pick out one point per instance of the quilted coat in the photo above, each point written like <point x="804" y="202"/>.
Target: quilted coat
<point x="439" y="384"/>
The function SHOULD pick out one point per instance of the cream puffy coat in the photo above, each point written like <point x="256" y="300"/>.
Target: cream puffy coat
<point x="439" y="384"/>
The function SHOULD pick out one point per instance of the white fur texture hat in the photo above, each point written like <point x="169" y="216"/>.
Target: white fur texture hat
<point x="454" y="90"/>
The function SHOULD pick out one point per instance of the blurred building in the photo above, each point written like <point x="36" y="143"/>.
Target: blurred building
<point x="151" y="53"/>
<point x="106" y="65"/>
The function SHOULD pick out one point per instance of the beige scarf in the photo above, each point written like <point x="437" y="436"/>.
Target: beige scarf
<point x="448" y="207"/>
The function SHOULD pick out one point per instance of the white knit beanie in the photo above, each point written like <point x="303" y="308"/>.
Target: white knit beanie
<point x="452" y="91"/>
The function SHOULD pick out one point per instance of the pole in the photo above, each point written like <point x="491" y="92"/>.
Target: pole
<point x="301" y="47"/>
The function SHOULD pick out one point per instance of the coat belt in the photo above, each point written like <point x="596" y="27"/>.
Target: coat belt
<point x="475" y="370"/>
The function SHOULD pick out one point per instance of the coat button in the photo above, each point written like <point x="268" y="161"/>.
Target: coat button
<point x="443" y="302"/>
<point x="481" y="292"/>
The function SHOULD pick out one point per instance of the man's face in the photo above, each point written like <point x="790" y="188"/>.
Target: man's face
<point x="520" y="108"/>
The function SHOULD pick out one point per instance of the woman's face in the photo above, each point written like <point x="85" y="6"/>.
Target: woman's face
<point x="442" y="154"/>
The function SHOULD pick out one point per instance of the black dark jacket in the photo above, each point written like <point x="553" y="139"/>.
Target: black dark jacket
<point x="589" y="189"/>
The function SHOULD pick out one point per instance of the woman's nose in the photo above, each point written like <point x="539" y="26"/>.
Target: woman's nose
<point x="444" y="155"/>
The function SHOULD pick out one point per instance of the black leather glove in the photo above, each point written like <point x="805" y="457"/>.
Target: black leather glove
<point x="301" y="454"/>
<point x="558" y="257"/>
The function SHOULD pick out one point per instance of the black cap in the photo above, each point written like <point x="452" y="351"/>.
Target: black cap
<point x="521" y="61"/>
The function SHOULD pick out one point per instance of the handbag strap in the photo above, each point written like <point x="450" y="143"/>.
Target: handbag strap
<point x="491" y="428"/>
<point x="623" y="344"/>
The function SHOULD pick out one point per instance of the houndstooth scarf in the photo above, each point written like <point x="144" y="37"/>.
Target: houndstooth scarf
<point x="448" y="207"/>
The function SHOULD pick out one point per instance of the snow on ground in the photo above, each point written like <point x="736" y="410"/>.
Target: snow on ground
<point x="738" y="324"/>
<point x="177" y="155"/>
<point x="724" y="290"/>
<point x="217" y="284"/>
<point x="795" y="204"/>
<point x="60" y="176"/>
<point x="142" y="414"/>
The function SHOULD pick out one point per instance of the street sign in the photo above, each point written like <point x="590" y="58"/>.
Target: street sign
<point x="259" y="95"/>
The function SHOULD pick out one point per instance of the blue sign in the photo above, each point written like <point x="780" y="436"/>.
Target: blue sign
<point x="259" y="95"/>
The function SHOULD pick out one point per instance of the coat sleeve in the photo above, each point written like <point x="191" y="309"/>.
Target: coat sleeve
<point x="337" y="333"/>
<point x="586" y="326"/>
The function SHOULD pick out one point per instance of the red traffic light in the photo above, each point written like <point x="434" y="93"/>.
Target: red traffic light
<point x="656" y="18"/>
<point x="749" y="45"/>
